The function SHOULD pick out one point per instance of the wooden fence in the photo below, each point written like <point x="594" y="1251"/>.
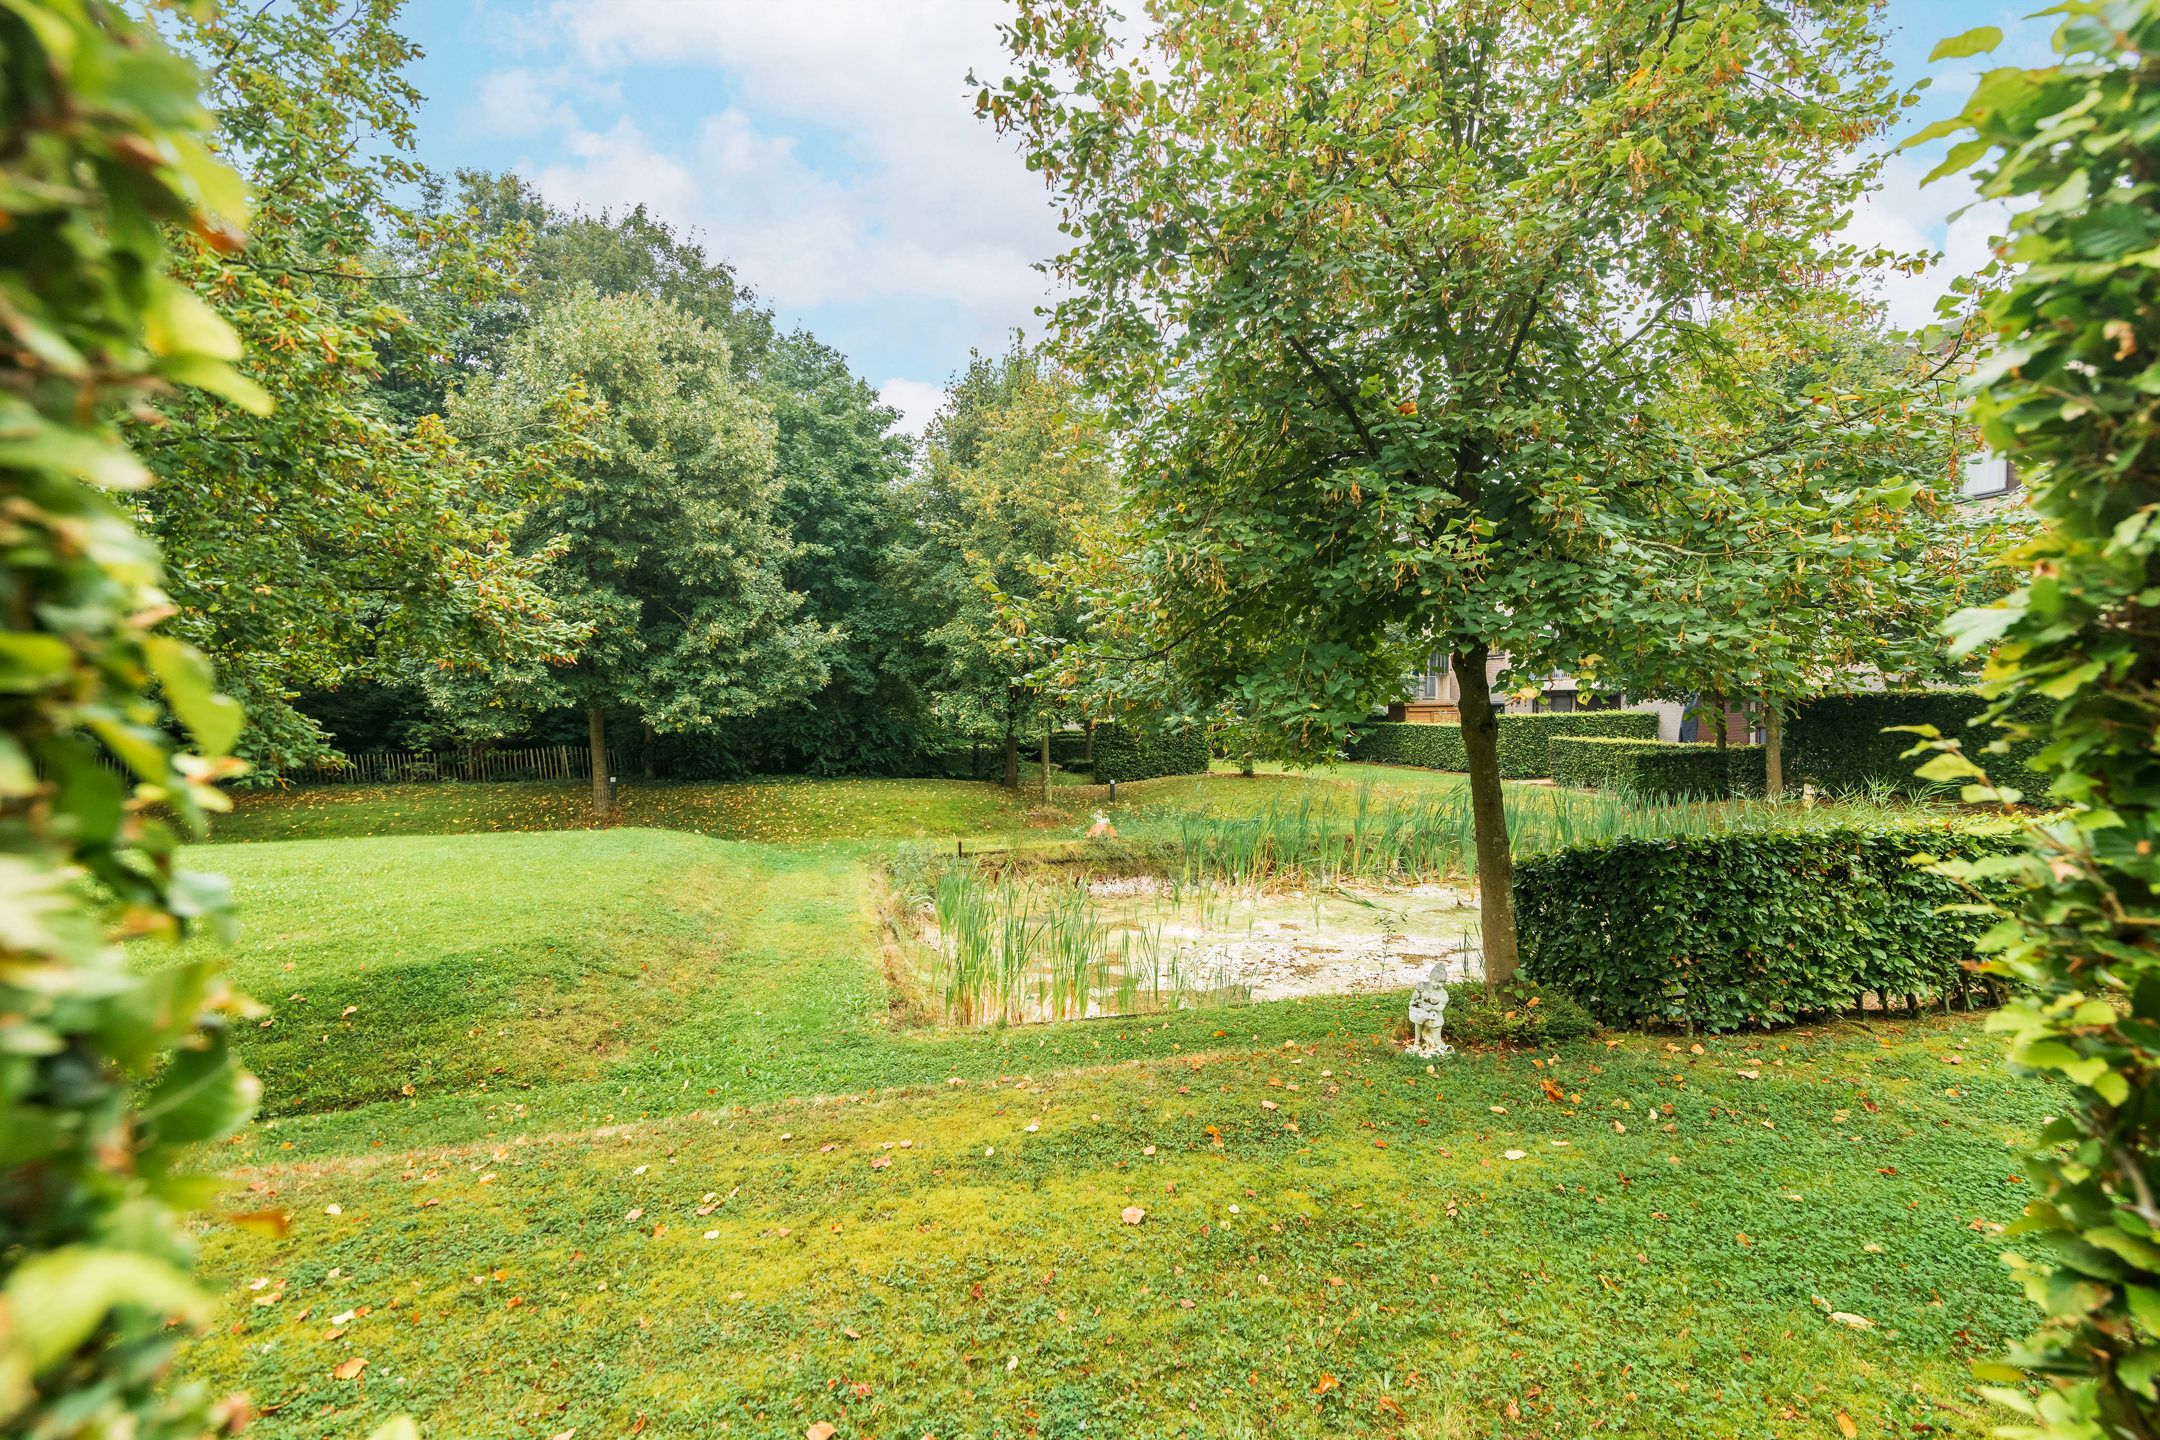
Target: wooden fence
<point x="408" y="767"/>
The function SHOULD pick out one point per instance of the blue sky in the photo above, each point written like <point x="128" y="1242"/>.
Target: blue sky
<point x="829" y="150"/>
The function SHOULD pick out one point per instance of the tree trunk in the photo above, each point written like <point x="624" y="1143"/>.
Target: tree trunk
<point x="596" y="730"/>
<point x="1046" y="765"/>
<point x="1087" y="751"/>
<point x="1488" y="813"/>
<point x="1723" y="740"/>
<point x="645" y="750"/>
<point x="1773" y="759"/>
<point x="1012" y="760"/>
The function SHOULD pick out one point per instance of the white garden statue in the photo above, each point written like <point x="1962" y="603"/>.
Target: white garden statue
<point x="1428" y="1009"/>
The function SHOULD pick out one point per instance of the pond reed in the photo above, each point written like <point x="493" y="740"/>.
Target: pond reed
<point x="1012" y="945"/>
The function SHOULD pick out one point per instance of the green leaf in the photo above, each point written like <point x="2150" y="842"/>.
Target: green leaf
<point x="61" y="1297"/>
<point x="1972" y="42"/>
<point x="191" y="689"/>
<point x="31" y="662"/>
<point x="203" y="1094"/>
<point x="86" y="456"/>
<point x="177" y="321"/>
<point x="219" y="379"/>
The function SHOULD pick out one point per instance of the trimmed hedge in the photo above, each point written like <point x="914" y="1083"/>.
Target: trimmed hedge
<point x="1123" y="753"/>
<point x="1751" y="927"/>
<point x="1523" y="741"/>
<point x="1657" y="769"/>
<point x="1836" y="742"/>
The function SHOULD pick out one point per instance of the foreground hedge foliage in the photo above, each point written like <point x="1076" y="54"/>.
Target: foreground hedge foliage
<point x="1123" y="752"/>
<point x="1657" y="769"/>
<point x="1837" y="742"/>
<point x="2067" y="392"/>
<point x="1743" y="928"/>
<point x="111" y="1079"/>
<point x="1524" y="742"/>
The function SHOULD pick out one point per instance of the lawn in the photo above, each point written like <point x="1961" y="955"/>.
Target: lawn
<point x="669" y="1164"/>
<point x="794" y="811"/>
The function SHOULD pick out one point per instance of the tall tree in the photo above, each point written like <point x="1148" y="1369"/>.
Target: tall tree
<point x="561" y="252"/>
<point x="838" y="462"/>
<point x="1013" y="472"/>
<point x="2072" y="395"/>
<point x="841" y="467"/>
<point x="109" y="1076"/>
<point x="663" y="550"/>
<point x="335" y="538"/>
<point x="1381" y="295"/>
<point x="1811" y="536"/>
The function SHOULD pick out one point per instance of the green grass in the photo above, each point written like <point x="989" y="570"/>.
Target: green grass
<point x="792" y="810"/>
<point x="595" y="1024"/>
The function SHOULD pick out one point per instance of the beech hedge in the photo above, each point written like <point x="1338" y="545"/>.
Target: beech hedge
<point x="1657" y="769"/>
<point x="1837" y="742"/>
<point x="1752" y="927"/>
<point x="1123" y="752"/>
<point x="1524" y="740"/>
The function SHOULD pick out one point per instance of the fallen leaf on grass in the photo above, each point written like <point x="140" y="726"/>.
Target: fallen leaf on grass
<point x="350" y="1369"/>
<point x="1133" y="1215"/>
<point x="823" y="1430"/>
<point x="1511" y="1154"/>
<point x="1846" y="1427"/>
<point x="1327" y="1383"/>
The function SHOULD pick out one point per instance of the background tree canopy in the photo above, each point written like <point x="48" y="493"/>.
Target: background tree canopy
<point x="661" y="551"/>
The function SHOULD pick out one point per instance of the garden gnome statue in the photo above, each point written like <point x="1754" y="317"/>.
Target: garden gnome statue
<point x="1428" y="1008"/>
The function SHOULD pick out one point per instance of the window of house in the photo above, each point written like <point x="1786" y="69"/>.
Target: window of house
<point x="1987" y="474"/>
<point x="1428" y="680"/>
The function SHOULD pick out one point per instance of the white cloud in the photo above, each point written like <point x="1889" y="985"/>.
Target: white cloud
<point x="614" y="169"/>
<point x="840" y="166"/>
<point x="1912" y="218"/>
<point x="517" y="102"/>
<point x="916" y="401"/>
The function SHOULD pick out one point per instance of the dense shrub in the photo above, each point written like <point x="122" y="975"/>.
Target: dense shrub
<point x="1657" y="769"/>
<point x="114" y="1075"/>
<point x="1069" y="748"/>
<point x="1436" y="747"/>
<point x="1517" y="1014"/>
<point x="1837" y="742"/>
<point x="1750" y="927"/>
<point x="1124" y="752"/>
<point x="1523" y="742"/>
<point x="2067" y="395"/>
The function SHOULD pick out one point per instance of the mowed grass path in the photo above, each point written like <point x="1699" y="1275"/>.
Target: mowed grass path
<point x="668" y="1159"/>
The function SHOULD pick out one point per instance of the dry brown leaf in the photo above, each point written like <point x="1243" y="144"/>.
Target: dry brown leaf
<point x="350" y="1369"/>
<point x="1845" y="1426"/>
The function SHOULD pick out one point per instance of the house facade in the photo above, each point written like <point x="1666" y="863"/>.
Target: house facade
<point x="1435" y="698"/>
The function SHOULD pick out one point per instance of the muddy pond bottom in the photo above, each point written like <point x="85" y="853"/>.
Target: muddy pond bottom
<point x="1136" y="943"/>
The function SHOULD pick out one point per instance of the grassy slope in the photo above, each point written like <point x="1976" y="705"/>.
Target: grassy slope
<point x="713" y="1012"/>
<point x="790" y="811"/>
